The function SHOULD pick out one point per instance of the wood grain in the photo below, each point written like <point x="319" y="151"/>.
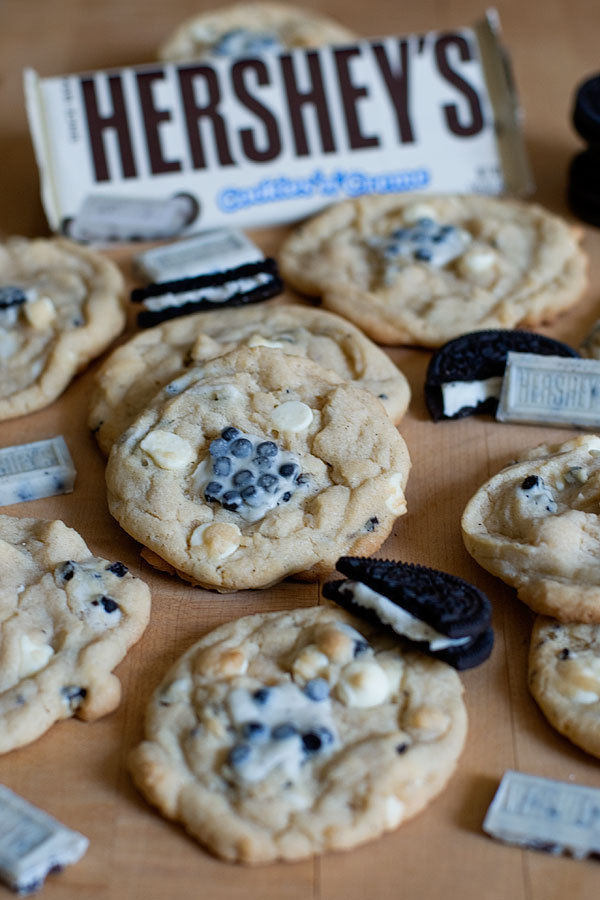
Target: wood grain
<point x="77" y="771"/>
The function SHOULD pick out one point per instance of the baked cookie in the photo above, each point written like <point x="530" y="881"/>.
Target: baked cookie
<point x="67" y="619"/>
<point x="564" y="678"/>
<point x="60" y="306"/>
<point x="536" y="525"/>
<point x="424" y="270"/>
<point x="285" y="734"/>
<point x="134" y="373"/>
<point x="257" y="466"/>
<point x="247" y="29"/>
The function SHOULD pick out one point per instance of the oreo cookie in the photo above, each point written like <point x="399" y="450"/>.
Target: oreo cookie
<point x="584" y="172"/>
<point x="437" y="613"/>
<point x="464" y="377"/>
<point x="249" y="283"/>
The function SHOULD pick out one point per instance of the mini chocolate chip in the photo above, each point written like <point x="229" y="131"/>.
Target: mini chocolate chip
<point x="249" y="492"/>
<point x="401" y="748"/>
<point x="231" y="500"/>
<point x="243" y="477"/>
<point x="529" y="482"/>
<point x="228" y="434"/>
<point x="286" y="497"/>
<point x="283" y="732"/>
<point x="311" y="742"/>
<point x="218" y="447"/>
<point x="73" y="695"/>
<point x="317" y="689"/>
<point x="360" y="647"/>
<point x="67" y="571"/>
<point x="564" y="653"/>
<point x="303" y="479"/>
<point x="118" y="569"/>
<point x="382" y="396"/>
<point x="261" y="696"/>
<point x="372" y="523"/>
<point x="11" y="295"/>
<point x="288" y="469"/>
<point x="254" y="730"/>
<point x="423" y="255"/>
<point x="268" y="482"/>
<point x="212" y="490"/>
<point x="241" y="448"/>
<point x="239" y="754"/>
<point x="222" y="465"/>
<point x="109" y="604"/>
<point x="266" y="448"/>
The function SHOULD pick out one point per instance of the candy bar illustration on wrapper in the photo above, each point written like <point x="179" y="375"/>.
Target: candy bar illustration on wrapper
<point x="162" y="151"/>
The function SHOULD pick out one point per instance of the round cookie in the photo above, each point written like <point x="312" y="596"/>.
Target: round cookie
<point x="258" y="466"/>
<point x="564" y="678"/>
<point x="251" y="28"/>
<point x="60" y="306"/>
<point x="425" y="270"/>
<point x="285" y="734"/>
<point x="536" y="526"/>
<point x="67" y="619"/>
<point x="135" y="371"/>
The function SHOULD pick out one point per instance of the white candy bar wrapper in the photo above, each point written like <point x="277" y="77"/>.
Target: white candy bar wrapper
<point x="544" y="814"/>
<point x="550" y="390"/>
<point x="31" y="471"/>
<point x="32" y="843"/>
<point x="168" y="149"/>
<point x="202" y="254"/>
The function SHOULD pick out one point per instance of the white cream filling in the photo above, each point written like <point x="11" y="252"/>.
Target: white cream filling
<point x="215" y="294"/>
<point x="397" y="618"/>
<point x="458" y="394"/>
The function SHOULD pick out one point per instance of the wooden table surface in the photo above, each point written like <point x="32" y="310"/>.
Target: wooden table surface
<point x="76" y="771"/>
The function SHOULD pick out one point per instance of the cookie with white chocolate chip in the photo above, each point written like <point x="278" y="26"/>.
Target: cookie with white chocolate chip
<point x="60" y="306"/>
<point x="135" y="371"/>
<point x="67" y="619"/>
<point x="564" y="678"/>
<point x="258" y="466"/>
<point x="287" y="734"/>
<point x="425" y="270"/>
<point x="247" y="29"/>
<point x="536" y="525"/>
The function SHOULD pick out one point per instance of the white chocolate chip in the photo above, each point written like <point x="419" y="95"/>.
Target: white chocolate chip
<point x="393" y="812"/>
<point x="218" y="539"/>
<point x="478" y="261"/>
<point x="396" y="501"/>
<point x="293" y="415"/>
<point x="168" y="450"/>
<point x="257" y="340"/>
<point x="33" y="656"/>
<point x="310" y="663"/>
<point x="40" y="313"/>
<point x="362" y="684"/>
<point x="415" y="211"/>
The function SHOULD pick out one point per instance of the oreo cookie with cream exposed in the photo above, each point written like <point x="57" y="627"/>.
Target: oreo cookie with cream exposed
<point x="248" y="283"/>
<point x="464" y="377"/>
<point x="438" y="613"/>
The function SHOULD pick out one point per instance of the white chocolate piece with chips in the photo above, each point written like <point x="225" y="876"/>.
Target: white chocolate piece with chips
<point x="550" y="390"/>
<point x="32" y="843"/>
<point x="545" y="814"/>
<point x="202" y="254"/>
<point x="36" y="470"/>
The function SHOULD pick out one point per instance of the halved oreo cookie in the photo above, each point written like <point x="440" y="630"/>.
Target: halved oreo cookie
<point x="438" y="613"/>
<point x="249" y="283"/>
<point x="464" y="377"/>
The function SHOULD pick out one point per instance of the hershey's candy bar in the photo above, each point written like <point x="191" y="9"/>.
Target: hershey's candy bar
<point x="31" y="471"/>
<point x="32" y="843"/>
<point x="104" y="218"/>
<point x="201" y="254"/>
<point x="545" y="814"/>
<point x="268" y="138"/>
<point x="235" y="287"/>
<point x="550" y="390"/>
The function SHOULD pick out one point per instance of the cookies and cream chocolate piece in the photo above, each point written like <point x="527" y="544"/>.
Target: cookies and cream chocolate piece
<point x="464" y="377"/>
<point x="135" y="372"/>
<point x="550" y="391"/>
<point x="286" y="734"/>
<point x="544" y="814"/>
<point x="105" y="218"/>
<point x="249" y="283"/>
<point x="564" y="678"/>
<point x="298" y="464"/>
<point x="33" y="844"/>
<point x="60" y="306"/>
<point x="500" y="263"/>
<point x="211" y="251"/>
<point x="67" y="619"/>
<point x="248" y="29"/>
<point x="40" y="469"/>
<point x="536" y="525"/>
<point x="440" y="613"/>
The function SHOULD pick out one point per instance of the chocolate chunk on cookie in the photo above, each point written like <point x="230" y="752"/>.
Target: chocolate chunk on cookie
<point x="464" y="377"/>
<point x="439" y="613"/>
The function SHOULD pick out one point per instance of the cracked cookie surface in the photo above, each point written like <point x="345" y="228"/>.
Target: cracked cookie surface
<point x="67" y="619"/>
<point x="258" y="466"/>
<point x="424" y="270"/>
<point x="282" y="735"/>
<point x="136" y="371"/>
<point x="536" y="525"/>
